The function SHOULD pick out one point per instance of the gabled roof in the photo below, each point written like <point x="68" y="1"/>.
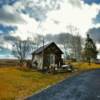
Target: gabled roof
<point x="40" y="50"/>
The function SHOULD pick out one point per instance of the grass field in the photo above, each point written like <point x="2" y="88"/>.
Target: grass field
<point x="8" y="62"/>
<point x="16" y="84"/>
<point x="83" y="66"/>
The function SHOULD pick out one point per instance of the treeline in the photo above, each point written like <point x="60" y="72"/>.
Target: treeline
<point x="70" y="44"/>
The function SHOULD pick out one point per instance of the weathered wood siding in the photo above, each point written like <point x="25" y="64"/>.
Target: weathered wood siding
<point x="39" y="60"/>
<point x="47" y="59"/>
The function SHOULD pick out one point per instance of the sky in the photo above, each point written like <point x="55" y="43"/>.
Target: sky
<point x="27" y="18"/>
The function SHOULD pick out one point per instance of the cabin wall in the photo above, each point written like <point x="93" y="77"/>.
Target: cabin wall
<point x="39" y="60"/>
<point x="48" y="60"/>
<point x="52" y="55"/>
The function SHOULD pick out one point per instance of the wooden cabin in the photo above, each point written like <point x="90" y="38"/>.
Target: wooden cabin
<point x="47" y="56"/>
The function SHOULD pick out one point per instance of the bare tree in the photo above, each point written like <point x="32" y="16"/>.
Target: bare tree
<point x="75" y="41"/>
<point x="38" y="40"/>
<point x="22" y="49"/>
<point x="63" y="39"/>
<point x="77" y="46"/>
<point x="71" y="45"/>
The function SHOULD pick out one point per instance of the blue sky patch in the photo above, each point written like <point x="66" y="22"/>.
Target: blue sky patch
<point x="7" y="2"/>
<point x="92" y="1"/>
<point x="6" y="29"/>
<point x="97" y="19"/>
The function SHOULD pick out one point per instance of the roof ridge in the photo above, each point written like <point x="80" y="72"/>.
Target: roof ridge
<point x="40" y="49"/>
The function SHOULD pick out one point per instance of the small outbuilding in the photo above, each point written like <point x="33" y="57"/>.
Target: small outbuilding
<point x="47" y="56"/>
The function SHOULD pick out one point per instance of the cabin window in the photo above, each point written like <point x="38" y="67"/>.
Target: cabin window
<point x="52" y="59"/>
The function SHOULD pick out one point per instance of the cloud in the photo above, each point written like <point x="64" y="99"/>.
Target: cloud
<point x="39" y="14"/>
<point x="7" y="2"/>
<point x="50" y="16"/>
<point x="5" y="43"/>
<point x="75" y="3"/>
<point x="97" y="18"/>
<point x="1" y="32"/>
<point x="37" y="8"/>
<point x="26" y="30"/>
<point x="26" y="16"/>
<point x="95" y="33"/>
<point x="8" y="15"/>
<point x="4" y="30"/>
<point x="82" y="18"/>
<point x="32" y="17"/>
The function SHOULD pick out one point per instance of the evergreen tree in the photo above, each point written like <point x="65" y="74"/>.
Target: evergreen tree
<point x="90" y="51"/>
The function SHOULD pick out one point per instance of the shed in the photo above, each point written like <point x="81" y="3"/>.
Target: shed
<point x="46" y="56"/>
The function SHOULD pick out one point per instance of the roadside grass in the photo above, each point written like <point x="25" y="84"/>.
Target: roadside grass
<point x="83" y="66"/>
<point x="16" y="84"/>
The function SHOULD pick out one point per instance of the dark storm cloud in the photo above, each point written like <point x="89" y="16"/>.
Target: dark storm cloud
<point x="95" y="33"/>
<point x="7" y="17"/>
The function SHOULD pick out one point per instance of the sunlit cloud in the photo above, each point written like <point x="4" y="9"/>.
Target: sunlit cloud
<point x="33" y="17"/>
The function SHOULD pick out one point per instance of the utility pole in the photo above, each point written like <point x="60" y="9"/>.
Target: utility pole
<point x="43" y="54"/>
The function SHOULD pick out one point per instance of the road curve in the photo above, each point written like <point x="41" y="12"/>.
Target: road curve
<point x="85" y="86"/>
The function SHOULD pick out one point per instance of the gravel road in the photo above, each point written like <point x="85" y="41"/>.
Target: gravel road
<point x="85" y="86"/>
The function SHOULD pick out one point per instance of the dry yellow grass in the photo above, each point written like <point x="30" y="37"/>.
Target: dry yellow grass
<point x="83" y="66"/>
<point x="17" y="84"/>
